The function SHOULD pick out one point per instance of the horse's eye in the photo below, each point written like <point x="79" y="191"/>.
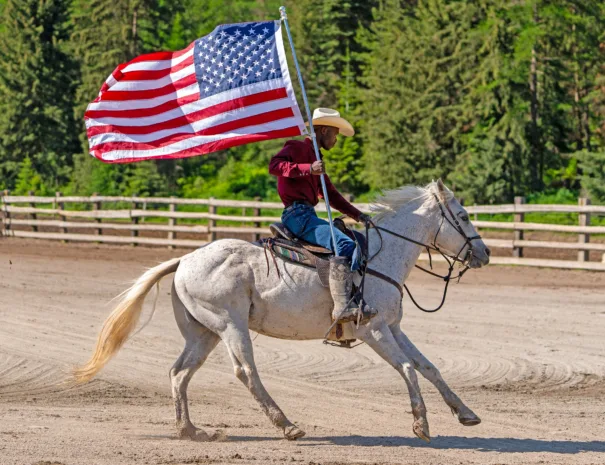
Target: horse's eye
<point x="464" y="218"/>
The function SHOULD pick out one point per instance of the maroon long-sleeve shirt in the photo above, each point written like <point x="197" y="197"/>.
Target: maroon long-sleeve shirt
<point x="292" y="166"/>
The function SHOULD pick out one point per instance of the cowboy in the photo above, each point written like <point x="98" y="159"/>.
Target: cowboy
<point x="298" y="184"/>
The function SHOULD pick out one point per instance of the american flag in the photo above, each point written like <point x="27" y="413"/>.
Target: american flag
<point x="229" y="88"/>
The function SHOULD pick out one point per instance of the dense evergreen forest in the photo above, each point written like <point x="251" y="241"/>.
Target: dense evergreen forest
<point x="498" y="97"/>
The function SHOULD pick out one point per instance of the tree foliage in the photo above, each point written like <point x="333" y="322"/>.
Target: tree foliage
<point x="491" y="95"/>
<point x="37" y="84"/>
<point x="499" y="98"/>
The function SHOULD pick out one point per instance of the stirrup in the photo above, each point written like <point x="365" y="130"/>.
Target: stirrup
<point x="365" y="313"/>
<point x="344" y="344"/>
<point x="360" y="315"/>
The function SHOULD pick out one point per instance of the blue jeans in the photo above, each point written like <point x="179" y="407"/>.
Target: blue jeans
<point x="304" y="223"/>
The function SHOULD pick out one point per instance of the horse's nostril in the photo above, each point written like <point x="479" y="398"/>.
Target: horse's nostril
<point x="488" y="251"/>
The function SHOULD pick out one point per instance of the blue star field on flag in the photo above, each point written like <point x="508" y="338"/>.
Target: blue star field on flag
<point x="235" y="55"/>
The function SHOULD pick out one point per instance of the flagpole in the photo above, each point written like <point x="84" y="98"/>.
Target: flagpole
<point x="284" y="18"/>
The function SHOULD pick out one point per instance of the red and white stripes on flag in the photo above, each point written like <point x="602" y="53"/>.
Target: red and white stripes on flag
<point x="229" y="88"/>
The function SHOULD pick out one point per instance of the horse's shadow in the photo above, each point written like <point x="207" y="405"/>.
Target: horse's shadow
<point x="509" y="445"/>
<point x="462" y="443"/>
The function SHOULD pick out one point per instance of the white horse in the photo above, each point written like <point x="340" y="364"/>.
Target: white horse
<point x="224" y="289"/>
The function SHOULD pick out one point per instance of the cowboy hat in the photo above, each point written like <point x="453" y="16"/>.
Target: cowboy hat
<point x="329" y="117"/>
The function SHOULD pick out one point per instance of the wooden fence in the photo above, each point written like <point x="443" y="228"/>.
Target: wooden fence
<point x="50" y="218"/>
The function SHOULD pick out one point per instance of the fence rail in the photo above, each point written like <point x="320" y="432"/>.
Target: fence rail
<point x="50" y="218"/>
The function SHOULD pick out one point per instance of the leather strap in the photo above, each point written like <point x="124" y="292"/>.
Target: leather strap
<point x="384" y="277"/>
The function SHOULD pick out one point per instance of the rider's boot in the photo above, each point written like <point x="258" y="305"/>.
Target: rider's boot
<point x="341" y="286"/>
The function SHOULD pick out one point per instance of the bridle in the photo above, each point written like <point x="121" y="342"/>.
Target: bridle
<point x="450" y="259"/>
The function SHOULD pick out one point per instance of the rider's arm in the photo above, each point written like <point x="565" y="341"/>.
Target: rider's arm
<point x="282" y="165"/>
<point x="338" y="202"/>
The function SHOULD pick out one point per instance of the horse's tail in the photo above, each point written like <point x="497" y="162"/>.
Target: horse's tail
<point x="123" y="320"/>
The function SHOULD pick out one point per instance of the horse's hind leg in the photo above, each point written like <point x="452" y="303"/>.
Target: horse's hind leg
<point x="199" y="343"/>
<point x="239" y="345"/>
<point x="465" y="415"/>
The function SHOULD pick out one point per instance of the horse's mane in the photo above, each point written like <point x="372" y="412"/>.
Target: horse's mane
<point x="390" y="201"/>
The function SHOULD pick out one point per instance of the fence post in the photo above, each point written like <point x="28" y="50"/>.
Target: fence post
<point x="60" y="206"/>
<point x="96" y="206"/>
<point x="134" y="220"/>
<point x="7" y="215"/>
<point x="211" y="222"/>
<point x="256" y="212"/>
<point x="144" y="209"/>
<point x="32" y="216"/>
<point x="518" y="235"/>
<point x="171" y="222"/>
<point x="584" y="220"/>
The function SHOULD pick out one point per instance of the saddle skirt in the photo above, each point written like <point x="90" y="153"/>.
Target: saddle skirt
<point x="286" y="246"/>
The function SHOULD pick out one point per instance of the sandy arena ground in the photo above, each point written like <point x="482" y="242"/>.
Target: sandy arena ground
<point x="525" y="348"/>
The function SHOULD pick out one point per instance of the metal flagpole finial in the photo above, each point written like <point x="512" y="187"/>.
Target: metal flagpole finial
<point x="282" y="11"/>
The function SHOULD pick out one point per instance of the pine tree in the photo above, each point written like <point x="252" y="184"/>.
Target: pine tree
<point x="36" y="90"/>
<point x="107" y="33"/>
<point x="28" y="180"/>
<point x="592" y="157"/>
<point x="325" y="39"/>
<point x="326" y="36"/>
<point x="593" y="173"/>
<point x="422" y="56"/>
<point x="495" y="154"/>
<point x="492" y="95"/>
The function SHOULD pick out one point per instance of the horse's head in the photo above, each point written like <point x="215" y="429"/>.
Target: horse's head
<point x="457" y="236"/>
<point x="431" y="216"/>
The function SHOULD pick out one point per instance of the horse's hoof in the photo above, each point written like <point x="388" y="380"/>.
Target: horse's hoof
<point x="192" y="433"/>
<point x="466" y="416"/>
<point x="472" y="421"/>
<point x="217" y="436"/>
<point x="185" y="433"/>
<point x="292" y="433"/>
<point x="421" y="429"/>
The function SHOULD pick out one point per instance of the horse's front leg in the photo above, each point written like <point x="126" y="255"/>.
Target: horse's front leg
<point x="465" y="415"/>
<point x="381" y="339"/>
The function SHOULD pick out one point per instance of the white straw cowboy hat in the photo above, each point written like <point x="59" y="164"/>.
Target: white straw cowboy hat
<point x="329" y="117"/>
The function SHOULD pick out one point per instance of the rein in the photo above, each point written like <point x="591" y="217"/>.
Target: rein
<point x="451" y="260"/>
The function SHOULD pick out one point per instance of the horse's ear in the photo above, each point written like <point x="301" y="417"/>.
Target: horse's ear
<point x="441" y="186"/>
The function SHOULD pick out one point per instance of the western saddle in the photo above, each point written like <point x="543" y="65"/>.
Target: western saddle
<point x="292" y="249"/>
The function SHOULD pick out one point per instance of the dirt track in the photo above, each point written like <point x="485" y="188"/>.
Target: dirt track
<point x="525" y="348"/>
